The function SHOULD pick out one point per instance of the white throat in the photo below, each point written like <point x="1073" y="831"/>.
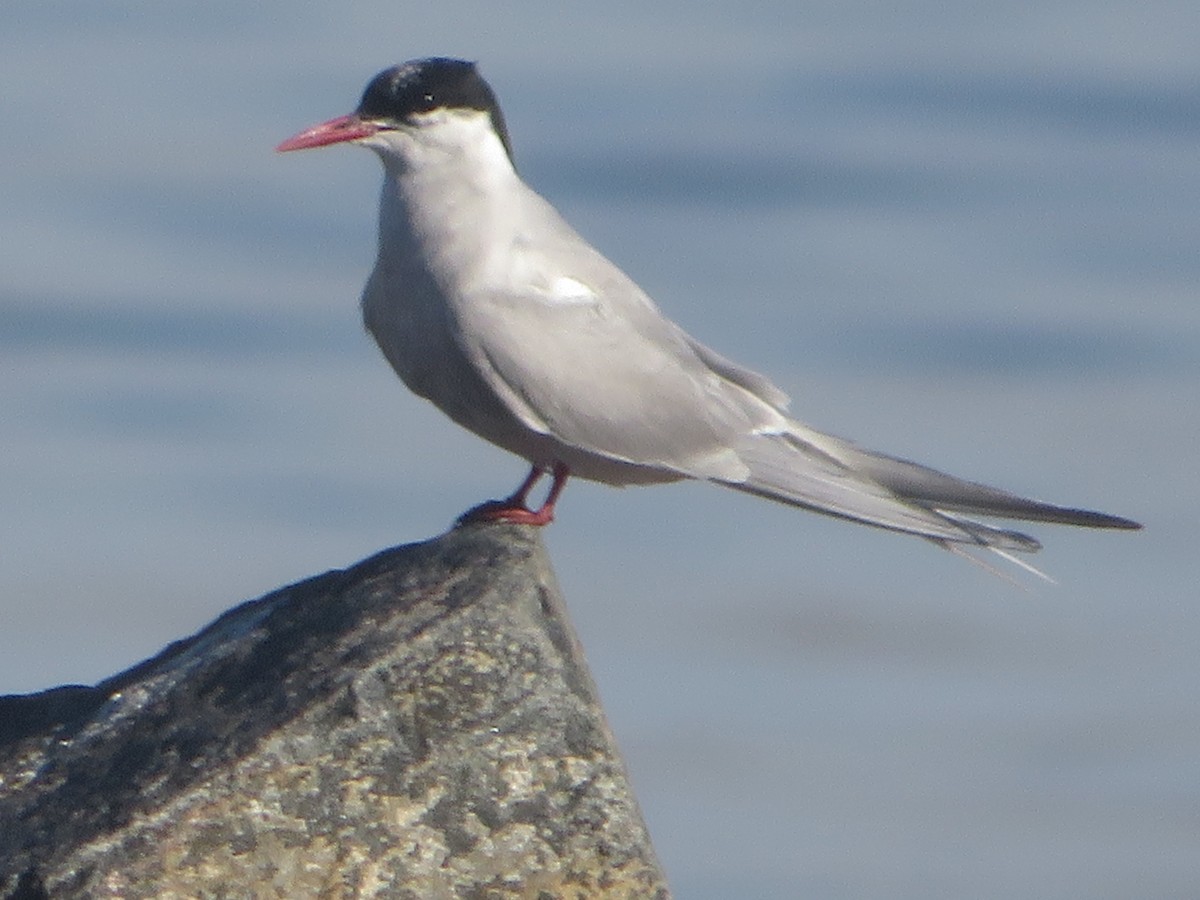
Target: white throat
<point x="448" y="193"/>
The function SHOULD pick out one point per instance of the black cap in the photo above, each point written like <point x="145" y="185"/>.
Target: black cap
<point x="423" y="85"/>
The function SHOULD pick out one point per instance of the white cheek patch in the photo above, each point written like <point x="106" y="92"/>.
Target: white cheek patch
<point x="569" y="291"/>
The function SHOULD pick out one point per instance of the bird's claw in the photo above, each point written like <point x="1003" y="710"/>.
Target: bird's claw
<point x="506" y="511"/>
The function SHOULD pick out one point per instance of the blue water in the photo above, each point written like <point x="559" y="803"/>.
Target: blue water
<point x="967" y="236"/>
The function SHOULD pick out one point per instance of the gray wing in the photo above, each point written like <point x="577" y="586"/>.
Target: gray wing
<point x="581" y="354"/>
<point x="625" y="387"/>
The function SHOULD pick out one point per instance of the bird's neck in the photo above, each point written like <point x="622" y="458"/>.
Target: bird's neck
<point x="444" y="209"/>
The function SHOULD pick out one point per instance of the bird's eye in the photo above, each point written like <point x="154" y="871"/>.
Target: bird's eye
<point x="427" y="102"/>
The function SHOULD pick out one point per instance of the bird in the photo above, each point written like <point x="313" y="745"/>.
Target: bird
<point x="487" y="303"/>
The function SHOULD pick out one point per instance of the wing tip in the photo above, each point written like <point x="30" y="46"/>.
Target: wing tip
<point x="1091" y="519"/>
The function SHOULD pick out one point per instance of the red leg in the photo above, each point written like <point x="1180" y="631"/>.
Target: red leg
<point x="514" y="510"/>
<point x="517" y="499"/>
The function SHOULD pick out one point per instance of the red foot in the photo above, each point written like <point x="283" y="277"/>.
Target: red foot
<point x="513" y="510"/>
<point x="502" y="511"/>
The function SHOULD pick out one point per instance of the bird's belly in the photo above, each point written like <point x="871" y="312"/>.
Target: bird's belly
<point x="431" y="364"/>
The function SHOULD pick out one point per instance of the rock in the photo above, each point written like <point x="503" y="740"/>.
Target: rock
<point x="420" y="725"/>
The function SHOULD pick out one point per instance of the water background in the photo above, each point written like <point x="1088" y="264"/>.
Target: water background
<point x="966" y="235"/>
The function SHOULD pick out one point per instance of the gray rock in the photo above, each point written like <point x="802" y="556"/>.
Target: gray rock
<point x="421" y="725"/>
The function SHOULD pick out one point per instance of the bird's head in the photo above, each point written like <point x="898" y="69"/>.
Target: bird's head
<point x="435" y="104"/>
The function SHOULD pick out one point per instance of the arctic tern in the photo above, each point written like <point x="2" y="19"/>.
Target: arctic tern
<point x="489" y="305"/>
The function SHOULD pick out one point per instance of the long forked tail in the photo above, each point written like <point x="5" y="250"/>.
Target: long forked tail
<point x="834" y="476"/>
<point x="938" y="490"/>
<point x="963" y="552"/>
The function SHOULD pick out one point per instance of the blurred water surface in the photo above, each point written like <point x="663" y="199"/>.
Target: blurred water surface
<point x="964" y="235"/>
